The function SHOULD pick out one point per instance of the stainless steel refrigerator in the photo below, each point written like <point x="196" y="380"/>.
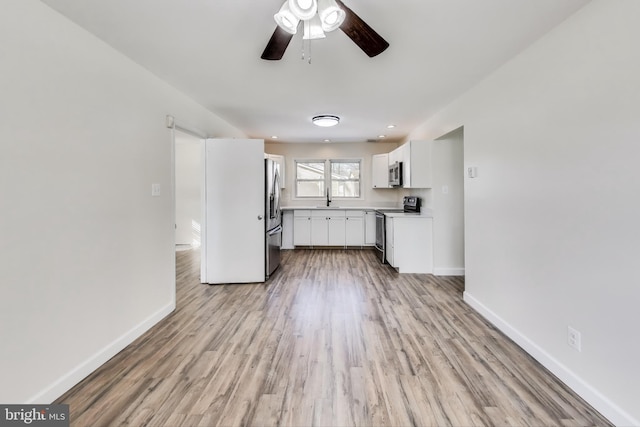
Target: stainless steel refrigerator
<point x="273" y="217"/>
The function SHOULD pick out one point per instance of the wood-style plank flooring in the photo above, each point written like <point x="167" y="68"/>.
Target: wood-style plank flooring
<point x="334" y="338"/>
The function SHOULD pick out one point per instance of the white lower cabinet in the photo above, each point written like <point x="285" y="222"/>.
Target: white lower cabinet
<point x="388" y="245"/>
<point x="302" y="227"/>
<point x="287" y="230"/>
<point x="369" y="228"/>
<point x="354" y="228"/>
<point x="336" y="230"/>
<point x="331" y="227"/>
<point x="410" y="244"/>
<point x="327" y="227"/>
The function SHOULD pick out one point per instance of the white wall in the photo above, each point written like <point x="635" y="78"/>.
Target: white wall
<point x="363" y="150"/>
<point x="551" y="221"/>
<point x="87" y="255"/>
<point x="448" y="204"/>
<point x="189" y="173"/>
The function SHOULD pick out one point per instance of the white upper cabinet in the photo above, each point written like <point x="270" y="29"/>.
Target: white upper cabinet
<point x="380" y="171"/>
<point x="416" y="164"/>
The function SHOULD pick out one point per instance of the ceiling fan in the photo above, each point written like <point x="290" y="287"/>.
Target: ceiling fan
<point x="318" y="17"/>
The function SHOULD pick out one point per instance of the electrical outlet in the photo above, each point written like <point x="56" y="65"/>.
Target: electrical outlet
<point x="574" y="338"/>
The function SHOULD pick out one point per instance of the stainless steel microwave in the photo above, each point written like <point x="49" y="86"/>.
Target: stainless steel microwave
<point x="395" y="174"/>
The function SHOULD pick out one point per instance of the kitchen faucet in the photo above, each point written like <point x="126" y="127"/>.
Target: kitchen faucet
<point x="328" y="199"/>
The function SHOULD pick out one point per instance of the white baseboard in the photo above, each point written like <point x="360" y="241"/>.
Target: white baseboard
<point x="443" y="271"/>
<point x="601" y="403"/>
<point x="73" y="377"/>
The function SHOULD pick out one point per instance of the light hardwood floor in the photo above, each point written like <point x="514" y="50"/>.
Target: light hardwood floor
<point x="334" y="338"/>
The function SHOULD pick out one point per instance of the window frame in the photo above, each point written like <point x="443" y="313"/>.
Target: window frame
<point x="328" y="178"/>
<point x="296" y="180"/>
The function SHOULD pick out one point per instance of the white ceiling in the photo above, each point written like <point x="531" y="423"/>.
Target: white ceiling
<point x="210" y="50"/>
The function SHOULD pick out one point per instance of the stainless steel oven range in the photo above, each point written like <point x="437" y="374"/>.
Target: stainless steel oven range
<point x="410" y="204"/>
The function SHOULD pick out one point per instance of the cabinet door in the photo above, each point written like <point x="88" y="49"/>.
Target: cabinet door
<point x="301" y="227"/>
<point x="302" y="231"/>
<point x="336" y="231"/>
<point x="354" y="231"/>
<point x="380" y="170"/>
<point x="319" y="231"/>
<point x="413" y="245"/>
<point x="287" y="230"/>
<point x="389" y="241"/>
<point x="370" y="228"/>
<point x="405" y="158"/>
<point x="394" y="156"/>
<point x="417" y="164"/>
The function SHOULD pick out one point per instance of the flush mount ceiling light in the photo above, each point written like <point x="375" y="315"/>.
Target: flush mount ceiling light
<point x="325" y="120"/>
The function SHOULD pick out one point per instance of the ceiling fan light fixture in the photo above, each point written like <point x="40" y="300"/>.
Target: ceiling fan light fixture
<point x="331" y="16"/>
<point x="286" y="19"/>
<point x="303" y="9"/>
<point x="313" y="29"/>
<point x="325" y="120"/>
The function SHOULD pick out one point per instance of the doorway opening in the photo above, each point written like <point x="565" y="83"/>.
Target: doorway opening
<point x="189" y="178"/>
<point x="448" y="195"/>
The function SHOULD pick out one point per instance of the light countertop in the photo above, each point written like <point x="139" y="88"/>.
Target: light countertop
<point x="424" y="212"/>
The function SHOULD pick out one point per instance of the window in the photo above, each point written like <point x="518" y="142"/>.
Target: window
<point x="342" y="176"/>
<point x="345" y="178"/>
<point x="310" y="179"/>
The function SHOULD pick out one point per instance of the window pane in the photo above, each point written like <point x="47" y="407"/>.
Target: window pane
<point x="345" y="170"/>
<point x="310" y="189"/>
<point x="345" y="178"/>
<point x="310" y="170"/>
<point x="345" y="188"/>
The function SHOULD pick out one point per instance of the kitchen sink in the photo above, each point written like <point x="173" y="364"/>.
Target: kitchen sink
<point x="327" y="207"/>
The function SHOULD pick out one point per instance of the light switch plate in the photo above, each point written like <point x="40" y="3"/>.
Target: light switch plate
<point x="155" y="190"/>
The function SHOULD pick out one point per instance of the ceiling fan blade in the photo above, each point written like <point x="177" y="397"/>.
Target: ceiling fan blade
<point x="277" y="45"/>
<point x="361" y="33"/>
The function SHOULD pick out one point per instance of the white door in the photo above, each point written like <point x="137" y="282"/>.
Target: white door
<point x="234" y="228"/>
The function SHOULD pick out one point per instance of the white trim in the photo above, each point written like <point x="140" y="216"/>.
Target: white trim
<point x="448" y="271"/>
<point x="595" y="398"/>
<point x="327" y="177"/>
<point x="84" y="369"/>
<point x="203" y="218"/>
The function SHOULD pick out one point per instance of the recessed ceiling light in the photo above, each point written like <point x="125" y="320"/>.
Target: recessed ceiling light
<point x="325" y="120"/>
<point x="382" y="136"/>
<point x="390" y="126"/>
<point x="274" y="137"/>
<point x="327" y="140"/>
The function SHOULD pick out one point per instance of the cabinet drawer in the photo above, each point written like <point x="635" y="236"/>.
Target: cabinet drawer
<point x="354" y="214"/>
<point x="302" y="212"/>
<point x="327" y="213"/>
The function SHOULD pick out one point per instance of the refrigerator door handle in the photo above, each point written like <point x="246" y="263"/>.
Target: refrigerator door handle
<point x="276" y="230"/>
